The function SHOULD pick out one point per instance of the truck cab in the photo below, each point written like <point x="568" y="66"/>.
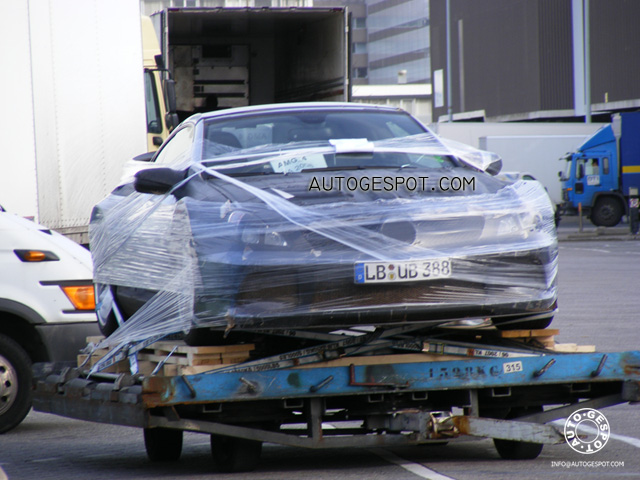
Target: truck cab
<point x="590" y="179"/>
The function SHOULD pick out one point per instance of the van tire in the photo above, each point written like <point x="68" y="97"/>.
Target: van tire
<point x="15" y="384"/>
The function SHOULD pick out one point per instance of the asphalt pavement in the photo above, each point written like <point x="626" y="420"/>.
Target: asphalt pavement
<point x="572" y="229"/>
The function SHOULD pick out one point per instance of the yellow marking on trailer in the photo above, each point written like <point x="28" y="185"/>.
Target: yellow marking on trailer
<point x="631" y="169"/>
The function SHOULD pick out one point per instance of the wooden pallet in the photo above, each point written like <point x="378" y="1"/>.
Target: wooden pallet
<point x="545" y="338"/>
<point x="177" y="357"/>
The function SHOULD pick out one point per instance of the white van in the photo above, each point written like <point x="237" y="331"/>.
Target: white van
<point x="47" y="307"/>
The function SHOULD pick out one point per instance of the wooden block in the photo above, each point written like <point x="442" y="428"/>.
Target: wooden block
<point x="120" y="367"/>
<point x="203" y="359"/>
<point x="574" y="348"/>
<point x="545" y="332"/>
<point x="172" y="360"/>
<point x="145" y="367"/>
<point x="95" y="339"/>
<point x="229" y="358"/>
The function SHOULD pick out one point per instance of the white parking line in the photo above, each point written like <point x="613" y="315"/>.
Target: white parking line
<point x="415" y="468"/>
<point x="622" y="438"/>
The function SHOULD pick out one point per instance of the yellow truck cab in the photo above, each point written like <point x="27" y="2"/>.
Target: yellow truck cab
<point x="159" y="124"/>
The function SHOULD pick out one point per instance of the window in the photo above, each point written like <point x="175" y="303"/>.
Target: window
<point x="360" y="22"/>
<point x="360" y="72"/>
<point x="178" y="148"/>
<point x="592" y="167"/>
<point x="359" y="47"/>
<point x="154" y="121"/>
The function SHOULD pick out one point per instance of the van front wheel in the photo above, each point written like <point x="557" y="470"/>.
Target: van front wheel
<point x="15" y="384"/>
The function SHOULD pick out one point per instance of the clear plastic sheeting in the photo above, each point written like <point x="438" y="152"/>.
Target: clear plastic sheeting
<point x="266" y="238"/>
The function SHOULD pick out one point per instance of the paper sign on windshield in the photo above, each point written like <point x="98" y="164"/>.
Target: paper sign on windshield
<point x="297" y="164"/>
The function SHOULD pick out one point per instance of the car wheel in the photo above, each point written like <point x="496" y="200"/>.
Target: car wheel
<point x="15" y="384"/>
<point x="232" y="454"/>
<point x="107" y="325"/>
<point x="607" y="212"/>
<point x="163" y="444"/>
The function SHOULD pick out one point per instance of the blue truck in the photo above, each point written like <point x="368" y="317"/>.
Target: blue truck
<point x="603" y="176"/>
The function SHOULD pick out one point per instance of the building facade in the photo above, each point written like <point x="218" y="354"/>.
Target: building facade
<point x="535" y="59"/>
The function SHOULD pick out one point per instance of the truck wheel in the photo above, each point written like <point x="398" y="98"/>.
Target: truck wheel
<point x="163" y="444"/>
<point x="515" y="450"/>
<point x="15" y="384"/>
<point x="232" y="454"/>
<point x="607" y="212"/>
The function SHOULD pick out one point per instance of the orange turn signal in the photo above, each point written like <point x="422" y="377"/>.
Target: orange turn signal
<point x="82" y="297"/>
<point x="36" y="256"/>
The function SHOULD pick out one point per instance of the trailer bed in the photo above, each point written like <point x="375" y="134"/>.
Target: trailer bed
<point x="332" y="395"/>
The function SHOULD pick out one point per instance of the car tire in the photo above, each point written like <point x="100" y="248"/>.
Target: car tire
<point x="107" y="325"/>
<point x="607" y="212"/>
<point x="15" y="384"/>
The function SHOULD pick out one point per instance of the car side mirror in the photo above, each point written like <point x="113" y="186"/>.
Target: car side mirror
<point x="494" y="167"/>
<point x="157" y="181"/>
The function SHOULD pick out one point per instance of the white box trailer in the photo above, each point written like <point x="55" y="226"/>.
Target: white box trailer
<point x="73" y="93"/>
<point x="538" y="155"/>
<point x="251" y="56"/>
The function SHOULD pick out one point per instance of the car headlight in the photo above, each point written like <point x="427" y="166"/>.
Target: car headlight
<point x="508" y="226"/>
<point x="254" y="231"/>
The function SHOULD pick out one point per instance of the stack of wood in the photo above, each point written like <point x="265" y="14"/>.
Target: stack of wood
<point x="545" y="338"/>
<point x="177" y="358"/>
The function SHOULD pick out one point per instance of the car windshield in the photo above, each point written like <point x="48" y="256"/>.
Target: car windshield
<point x="324" y="140"/>
<point x="418" y="151"/>
<point x="248" y="131"/>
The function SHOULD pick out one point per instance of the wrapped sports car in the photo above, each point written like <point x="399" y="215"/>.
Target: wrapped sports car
<point x="319" y="216"/>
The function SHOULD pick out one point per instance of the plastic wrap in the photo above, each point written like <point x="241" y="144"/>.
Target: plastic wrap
<point x="280" y="251"/>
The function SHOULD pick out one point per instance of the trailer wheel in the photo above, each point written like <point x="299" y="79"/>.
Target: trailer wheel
<point x="512" y="450"/>
<point x="232" y="454"/>
<point x="15" y="384"/>
<point x="607" y="212"/>
<point x="515" y="450"/>
<point x="163" y="444"/>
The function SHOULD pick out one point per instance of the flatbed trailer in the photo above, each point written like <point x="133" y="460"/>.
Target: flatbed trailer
<point x="353" y="392"/>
